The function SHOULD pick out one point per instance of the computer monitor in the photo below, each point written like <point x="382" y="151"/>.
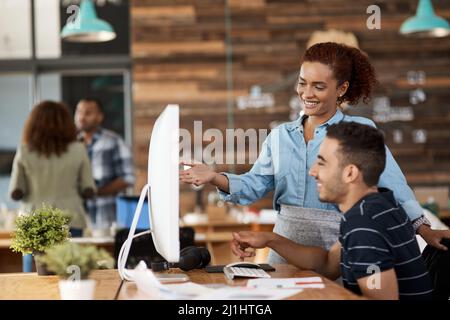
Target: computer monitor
<point x="163" y="164"/>
<point x="162" y="189"/>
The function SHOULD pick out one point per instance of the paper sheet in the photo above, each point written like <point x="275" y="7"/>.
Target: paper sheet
<point x="189" y="289"/>
<point x="147" y="282"/>
<point x="245" y="293"/>
<point x="287" y="283"/>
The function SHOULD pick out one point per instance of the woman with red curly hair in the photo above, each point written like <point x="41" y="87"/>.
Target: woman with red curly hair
<point x="50" y="166"/>
<point x="331" y="74"/>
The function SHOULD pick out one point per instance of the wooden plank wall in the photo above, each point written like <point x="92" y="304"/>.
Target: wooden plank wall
<point x="179" y="56"/>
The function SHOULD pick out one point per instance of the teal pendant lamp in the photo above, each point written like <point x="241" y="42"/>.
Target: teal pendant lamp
<point x="87" y="27"/>
<point x="425" y="23"/>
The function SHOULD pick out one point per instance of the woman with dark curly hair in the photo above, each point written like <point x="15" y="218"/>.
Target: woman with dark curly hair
<point x="50" y="166"/>
<point x="330" y="74"/>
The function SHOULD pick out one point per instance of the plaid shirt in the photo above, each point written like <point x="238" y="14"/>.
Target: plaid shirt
<point x="110" y="159"/>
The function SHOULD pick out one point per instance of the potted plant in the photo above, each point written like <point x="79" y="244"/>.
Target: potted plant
<point x="39" y="230"/>
<point x="73" y="263"/>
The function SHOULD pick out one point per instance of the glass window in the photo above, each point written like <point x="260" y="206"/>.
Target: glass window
<point x="49" y="87"/>
<point x="109" y="89"/>
<point x="15" y="103"/>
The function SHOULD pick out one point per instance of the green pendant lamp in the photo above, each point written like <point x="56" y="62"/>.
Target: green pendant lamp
<point x="425" y="23"/>
<point x="87" y="27"/>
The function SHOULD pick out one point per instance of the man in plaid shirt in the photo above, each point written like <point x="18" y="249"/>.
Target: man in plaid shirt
<point x="111" y="162"/>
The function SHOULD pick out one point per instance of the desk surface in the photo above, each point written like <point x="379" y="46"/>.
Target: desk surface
<point x="26" y="286"/>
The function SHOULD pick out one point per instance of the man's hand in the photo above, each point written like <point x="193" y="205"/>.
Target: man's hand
<point x="248" y="239"/>
<point x="113" y="187"/>
<point x="433" y="237"/>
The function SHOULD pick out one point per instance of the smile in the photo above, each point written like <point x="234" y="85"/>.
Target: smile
<point x="309" y="103"/>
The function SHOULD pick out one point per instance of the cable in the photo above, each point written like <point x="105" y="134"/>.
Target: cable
<point x="122" y="264"/>
<point x="116" y="296"/>
<point x="126" y="246"/>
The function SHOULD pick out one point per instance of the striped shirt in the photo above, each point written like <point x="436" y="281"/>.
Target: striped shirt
<point x="110" y="159"/>
<point x="376" y="235"/>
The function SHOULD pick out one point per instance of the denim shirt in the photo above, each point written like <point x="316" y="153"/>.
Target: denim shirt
<point x="283" y="167"/>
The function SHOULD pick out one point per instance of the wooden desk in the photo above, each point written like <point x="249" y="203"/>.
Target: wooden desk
<point x="30" y="286"/>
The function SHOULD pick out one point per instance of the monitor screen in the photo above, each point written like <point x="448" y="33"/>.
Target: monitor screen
<point x="163" y="166"/>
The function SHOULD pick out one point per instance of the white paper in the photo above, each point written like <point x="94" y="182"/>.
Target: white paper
<point x="147" y="282"/>
<point x="287" y="283"/>
<point x="245" y="293"/>
<point x="189" y="289"/>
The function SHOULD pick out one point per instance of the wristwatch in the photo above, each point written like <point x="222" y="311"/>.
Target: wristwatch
<point x="420" y="221"/>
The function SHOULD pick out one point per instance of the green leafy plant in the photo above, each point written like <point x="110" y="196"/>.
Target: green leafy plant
<point x="75" y="261"/>
<point x="40" y="229"/>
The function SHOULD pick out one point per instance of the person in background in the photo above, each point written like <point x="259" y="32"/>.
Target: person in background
<point x="51" y="167"/>
<point x="330" y="74"/>
<point x="377" y="254"/>
<point x="111" y="162"/>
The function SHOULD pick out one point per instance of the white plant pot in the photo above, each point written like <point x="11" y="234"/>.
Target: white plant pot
<point x="77" y="290"/>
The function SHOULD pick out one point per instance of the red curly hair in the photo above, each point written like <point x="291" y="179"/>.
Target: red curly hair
<point x="49" y="129"/>
<point x="348" y="64"/>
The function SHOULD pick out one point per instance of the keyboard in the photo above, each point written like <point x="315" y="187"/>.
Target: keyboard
<point x="233" y="272"/>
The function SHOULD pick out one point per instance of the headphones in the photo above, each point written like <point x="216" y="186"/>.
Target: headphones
<point x="191" y="257"/>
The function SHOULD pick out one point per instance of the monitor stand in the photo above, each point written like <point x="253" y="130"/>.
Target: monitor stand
<point x="126" y="246"/>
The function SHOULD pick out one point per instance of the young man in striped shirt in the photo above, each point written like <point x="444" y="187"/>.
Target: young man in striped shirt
<point x="377" y="254"/>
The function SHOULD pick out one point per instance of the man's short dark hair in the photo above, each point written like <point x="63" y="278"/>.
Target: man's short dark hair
<point x="362" y="146"/>
<point x="95" y="101"/>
